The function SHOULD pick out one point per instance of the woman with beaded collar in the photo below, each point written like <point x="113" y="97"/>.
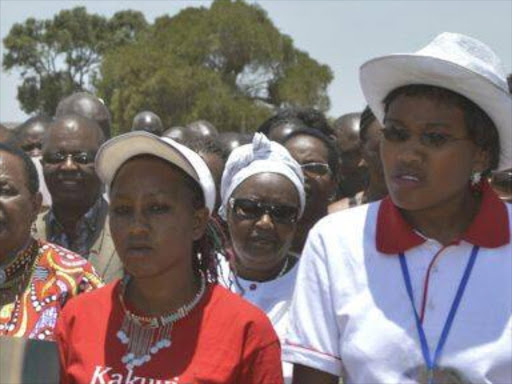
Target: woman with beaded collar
<point x="37" y="278"/>
<point x="262" y="199"/>
<point x="167" y="320"/>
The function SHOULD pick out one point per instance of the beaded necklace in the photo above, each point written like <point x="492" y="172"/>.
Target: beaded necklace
<point x="23" y="270"/>
<point x="18" y="263"/>
<point x="12" y="291"/>
<point x="146" y="335"/>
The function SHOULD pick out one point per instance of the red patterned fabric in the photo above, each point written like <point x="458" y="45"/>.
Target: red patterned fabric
<point x="57" y="276"/>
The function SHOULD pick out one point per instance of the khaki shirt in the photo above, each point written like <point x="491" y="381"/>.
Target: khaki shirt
<point x="102" y="254"/>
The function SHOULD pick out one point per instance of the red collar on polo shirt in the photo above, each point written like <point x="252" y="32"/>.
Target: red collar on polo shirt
<point x="489" y="229"/>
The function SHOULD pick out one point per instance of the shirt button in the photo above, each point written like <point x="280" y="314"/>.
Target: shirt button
<point x="253" y="286"/>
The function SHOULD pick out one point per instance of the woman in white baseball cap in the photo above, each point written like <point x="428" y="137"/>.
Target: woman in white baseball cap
<point x="417" y="288"/>
<point x="167" y="320"/>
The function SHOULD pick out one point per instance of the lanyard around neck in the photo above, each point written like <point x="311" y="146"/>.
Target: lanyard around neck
<point x="432" y="363"/>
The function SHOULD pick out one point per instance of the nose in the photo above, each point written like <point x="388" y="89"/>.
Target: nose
<point x="139" y="224"/>
<point x="265" y="221"/>
<point x="69" y="164"/>
<point x="412" y="150"/>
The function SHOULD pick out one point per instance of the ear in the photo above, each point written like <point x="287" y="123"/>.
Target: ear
<point x="481" y="160"/>
<point x="201" y="217"/>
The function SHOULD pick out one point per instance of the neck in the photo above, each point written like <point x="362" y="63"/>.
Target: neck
<point x="68" y="215"/>
<point x="164" y="293"/>
<point x="446" y="222"/>
<point x="375" y="191"/>
<point x="265" y="275"/>
<point x="10" y="256"/>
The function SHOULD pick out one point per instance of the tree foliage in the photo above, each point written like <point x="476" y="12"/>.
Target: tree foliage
<point x="62" y="55"/>
<point x="227" y="64"/>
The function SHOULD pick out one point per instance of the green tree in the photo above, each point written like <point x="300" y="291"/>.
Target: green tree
<point x="227" y="64"/>
<point x="62" y="55"/>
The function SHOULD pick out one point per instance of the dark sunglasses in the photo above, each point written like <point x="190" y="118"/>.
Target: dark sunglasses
<point x="318" y="169"/>
<point x="247" y="209"/>
<point x="428" y="139"/>
<point x="83" y="158"/>
<point x="31" y="146"/>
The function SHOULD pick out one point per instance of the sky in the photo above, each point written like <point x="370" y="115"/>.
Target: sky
<point x="342" y="34"/>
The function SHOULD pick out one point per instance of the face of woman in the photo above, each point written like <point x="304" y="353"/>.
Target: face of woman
<point x="152" y="218"/>
<point x="312" y="154"/>
<point x="262" y="238"/>
<point x="426" y="153"/>
<point x="18" y="207"/>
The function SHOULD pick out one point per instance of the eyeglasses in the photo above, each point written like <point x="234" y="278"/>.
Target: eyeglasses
<point x="83" y="158"/>
<point x="428" y="139"/>
<point x="247" y="209"/>
<point x="317" y="169"/>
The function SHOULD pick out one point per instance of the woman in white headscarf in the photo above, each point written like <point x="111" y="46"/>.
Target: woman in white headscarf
<point x="262" y="198"/>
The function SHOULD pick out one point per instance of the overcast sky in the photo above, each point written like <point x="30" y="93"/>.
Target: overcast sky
<point x="342" y="34"/>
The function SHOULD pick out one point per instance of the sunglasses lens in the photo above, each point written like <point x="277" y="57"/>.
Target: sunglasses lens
<point x="316" y="168"/>
<point x="253" y="210"/>
<point x="83" y="158"/>
<point x="53" y="158"/>
<point x="247" y="209"/>
<point x="284" y="213"/>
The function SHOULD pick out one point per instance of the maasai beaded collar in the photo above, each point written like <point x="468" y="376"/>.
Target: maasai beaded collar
<point x="146" y="335"/>
<point x="13" y="288"/>
<point x="22" y="259"/>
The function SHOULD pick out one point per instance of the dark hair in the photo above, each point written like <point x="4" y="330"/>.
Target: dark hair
<point x="367" y="119"/>
<point x="206" y="145"/>
<point x="332" y="151"/>
<point x="479" y="125"/>
<point x="30" y="169"/>
<point x="310" y="117"/>
<point x="231" y="140"/>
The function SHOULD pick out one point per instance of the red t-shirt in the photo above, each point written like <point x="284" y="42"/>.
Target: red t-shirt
<point x="223" y="340"/>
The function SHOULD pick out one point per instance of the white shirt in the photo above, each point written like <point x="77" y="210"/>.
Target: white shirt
<point x="351" y="316"/>
<point x="272" y="297"/>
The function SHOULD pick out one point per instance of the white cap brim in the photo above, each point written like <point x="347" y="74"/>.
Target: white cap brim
<point x="116" y="151"/>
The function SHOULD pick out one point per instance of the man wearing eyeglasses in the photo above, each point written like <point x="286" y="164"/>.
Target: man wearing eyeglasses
<point x="317" y="156"/>
<point x="78" y="217"/>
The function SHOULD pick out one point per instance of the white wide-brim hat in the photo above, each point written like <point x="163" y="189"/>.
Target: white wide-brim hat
<point x="452" y="61"/>
<point x="118" y="150"/>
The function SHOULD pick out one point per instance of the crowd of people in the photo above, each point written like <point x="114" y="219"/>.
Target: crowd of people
<point x="372" y="249"/>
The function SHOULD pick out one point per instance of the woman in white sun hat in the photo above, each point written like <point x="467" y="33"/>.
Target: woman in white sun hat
<point x="417" y="288"/>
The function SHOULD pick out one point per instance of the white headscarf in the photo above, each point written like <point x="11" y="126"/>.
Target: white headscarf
<point x="262" y="156"/>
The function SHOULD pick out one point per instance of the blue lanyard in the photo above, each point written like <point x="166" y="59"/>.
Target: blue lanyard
<point x="431" y="364"/>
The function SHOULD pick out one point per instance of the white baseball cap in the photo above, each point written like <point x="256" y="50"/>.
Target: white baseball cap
<point x="118" y="150"/>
